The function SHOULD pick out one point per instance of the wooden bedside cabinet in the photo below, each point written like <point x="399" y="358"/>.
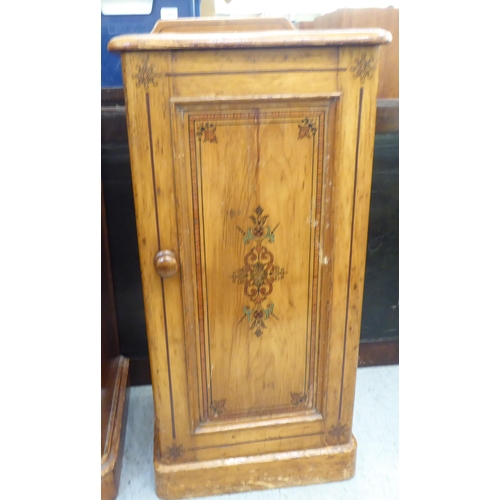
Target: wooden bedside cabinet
<point x="251" y="159"/>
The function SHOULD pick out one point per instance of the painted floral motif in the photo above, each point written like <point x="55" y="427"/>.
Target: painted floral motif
<point x="259" y="273"/>
<point x="146" y="75"/>
<point x="363" y="68"/>
<point x="207" y="132"/>
<point x="307" y="129"/>
<point x="298" y="398"/>
<point x="339" y="431"/>
<point x="175" y="452"/>
<point x="217" y="407"/>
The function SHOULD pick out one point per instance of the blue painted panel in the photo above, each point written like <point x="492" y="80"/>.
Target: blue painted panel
<point x="111" y="26"/>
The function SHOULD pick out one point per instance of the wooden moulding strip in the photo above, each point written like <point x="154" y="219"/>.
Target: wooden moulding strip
<point x="113" y="449"/>
<point x="217" y="24"/>
<point x="260" y="39"/>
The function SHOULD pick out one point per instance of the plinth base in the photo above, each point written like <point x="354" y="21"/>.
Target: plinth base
<point x="257" y="472"/>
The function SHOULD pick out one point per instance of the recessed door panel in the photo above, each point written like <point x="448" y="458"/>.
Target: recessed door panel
<point x="254" y="175"/>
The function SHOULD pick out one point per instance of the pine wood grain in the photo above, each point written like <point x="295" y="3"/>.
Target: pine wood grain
<point x="256" y="472"/>
<point x="208" y="40"/>
<point x="217" y="25"/>
<point x="253" y="168"/>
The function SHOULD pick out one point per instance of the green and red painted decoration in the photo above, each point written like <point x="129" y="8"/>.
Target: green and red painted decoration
<point x="259" y="272"/>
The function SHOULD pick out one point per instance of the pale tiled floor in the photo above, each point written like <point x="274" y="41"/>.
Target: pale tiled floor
<point x="376" y="427"/>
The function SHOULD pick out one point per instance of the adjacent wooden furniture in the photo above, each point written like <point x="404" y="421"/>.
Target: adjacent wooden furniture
<point x="388" y="19"/>
<point x="251" y="157"/>
<point x="114" y="378"/>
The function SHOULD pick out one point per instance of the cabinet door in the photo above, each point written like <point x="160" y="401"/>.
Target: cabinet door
<point x="254" y="192"/>
<point x="263" y="200"/>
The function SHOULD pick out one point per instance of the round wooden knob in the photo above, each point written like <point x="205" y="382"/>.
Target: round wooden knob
<point x="165" y="264"/>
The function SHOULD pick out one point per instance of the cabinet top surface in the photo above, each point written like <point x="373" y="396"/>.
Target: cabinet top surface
<point x="255" y="39"/>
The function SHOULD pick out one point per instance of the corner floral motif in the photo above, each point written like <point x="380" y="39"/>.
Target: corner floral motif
<point x="217" y="408"/>
<point x="363" y="68"/>
<point x="207" y="131"/>
<point x="146" y="75"/>
<point x="175" y="452"/>
<point x="339" y="431"/>
<point x="306" y="128"/>
<point x="298" y="398"/>
<point x="259" y="273"/>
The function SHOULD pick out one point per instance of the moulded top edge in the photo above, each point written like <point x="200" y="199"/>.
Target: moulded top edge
<point x="256" y="39"/>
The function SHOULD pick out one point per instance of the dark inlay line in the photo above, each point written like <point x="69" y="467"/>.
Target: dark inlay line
<point x="199" y="236"/>
<point x="198" y="267"/>
<point x="352" y="238"/>
<point x="256" y="117"/>
<point x="266" y="117"/>
<point x="305" y="70"/>
<point x="250" y="442"/>
<point x="309" y="325"/>
<point x="207" y="322"/>
<point x="148" y="108"/>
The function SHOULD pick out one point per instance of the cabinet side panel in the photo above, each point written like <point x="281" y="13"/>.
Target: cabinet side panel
<point x="352" y="175"/>
<point x="147" y="91"/>
<point x="362" y="79"/>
